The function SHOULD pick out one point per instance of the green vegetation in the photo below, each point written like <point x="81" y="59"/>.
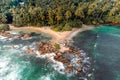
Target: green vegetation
<point x="61" y="14"/>
<point x="62" y="27"/>
<point x="4" y="27"/>
<point x="67" y="27"/>
<point x="57" y="46"/>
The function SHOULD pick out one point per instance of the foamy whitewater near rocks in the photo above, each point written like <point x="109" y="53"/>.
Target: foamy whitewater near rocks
<point x="73" y="62"/>
<point x="11" y="36"/>
<point x="79" y="64"/>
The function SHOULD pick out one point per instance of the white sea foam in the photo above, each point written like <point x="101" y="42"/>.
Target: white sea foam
<point x="58" y="66"/>
<point x="15" y="37"/>
<point x="26" y="38"/>
<point x="9" y="68"/>
<point x="83" y="78"/>
<point x="10" y="47"/>
<point x="95" y="45"/>
<point x="46" y="77"/>
<point x="86" y="60"/>
<point x="97" y="36"/>
<point x="49" y="56"/>
<point x="3" y="64"/>
<point x="24" y="48"/>
<point x="13" y="32"/>
<point x="8" y="71"/>
<point x="89" y="75"/>
<point x="2" y="37"/>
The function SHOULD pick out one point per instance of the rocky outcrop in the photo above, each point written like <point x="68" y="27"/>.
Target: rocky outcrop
<point x="9" y="35"/>
<point x="30" y="51"/>
<point x="26" y="35"/>
<point x="79" y="69"/>
<point x="69" y="68"/>
<point x="6" y="34"/>
<point x="48" y="48"/>
<point x="79" y="62"/>
<point x="61" y="55"/>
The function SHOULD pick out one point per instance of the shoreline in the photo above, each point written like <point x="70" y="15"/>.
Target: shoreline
<point x="57" y="37"/>
<point x="67" y="59"/>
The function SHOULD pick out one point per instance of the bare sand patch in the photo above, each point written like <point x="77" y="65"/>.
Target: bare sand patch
<point x="56" y="36"/>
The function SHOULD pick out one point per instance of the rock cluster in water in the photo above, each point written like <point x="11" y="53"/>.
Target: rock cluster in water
<point x="73" y="60"/>
<point x="8" y="36"/>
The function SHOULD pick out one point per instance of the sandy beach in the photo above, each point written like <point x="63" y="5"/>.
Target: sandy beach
<point x="56" y="36"/>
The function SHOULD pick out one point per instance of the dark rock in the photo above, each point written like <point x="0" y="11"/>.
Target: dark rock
<point x="69" y="68"/>
<point x="26" y="35"/>
<point x="79" y="62"/>
<point x="79" y="69"/>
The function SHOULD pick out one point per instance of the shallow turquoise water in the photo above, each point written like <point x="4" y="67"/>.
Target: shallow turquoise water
<point x="103" y="45"/>
<point x="17" y="65"/>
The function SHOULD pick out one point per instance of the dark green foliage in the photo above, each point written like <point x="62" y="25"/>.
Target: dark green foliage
<point x="87" y="21"/>
<point x="57" y="46"/>
<point x="57" y="27"/>
<point x="4" y="27"/>
<point x="57" y="12"/>
<point x="75" y="23"/>
<point x="62" y="27"/>
<point x="67" y="27"/>
<point x="113" y="19"/>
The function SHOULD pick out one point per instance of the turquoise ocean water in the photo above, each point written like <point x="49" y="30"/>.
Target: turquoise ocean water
<point x="103" y="45"/>
<point x="15" y="64"/>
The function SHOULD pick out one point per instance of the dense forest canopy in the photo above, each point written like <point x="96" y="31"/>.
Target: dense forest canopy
<point x="59" y="12"/>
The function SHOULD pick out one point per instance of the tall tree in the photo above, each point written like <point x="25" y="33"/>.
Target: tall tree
<point x="68" y="15"/>
<point x="51" y="14"/>
<point x="79" y="12"/>
<point x="104" y="9"/>
<point x="59" y="15"/>
<point x="3" y="18"/>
